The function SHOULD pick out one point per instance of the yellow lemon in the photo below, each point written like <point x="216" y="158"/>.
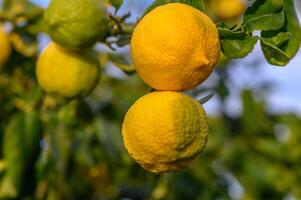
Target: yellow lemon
<point x="227" y="9"/>
<point x="67" y="73"/>
<point x="5" y="47"/>
<point x="175" y="47"/>
<point x="165" y="131"/>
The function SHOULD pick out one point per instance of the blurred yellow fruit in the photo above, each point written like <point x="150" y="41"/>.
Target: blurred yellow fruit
<point x="5" y="47"/>
<point x="227" y="9"/>
<point x="67" y="73"/>
<point x="165" y="131"/>
<point x="175" y="47"/>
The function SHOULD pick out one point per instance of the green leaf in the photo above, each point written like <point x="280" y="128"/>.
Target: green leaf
<point x="14" y="10"/>
<point x="230" y="32"/>
<point x="14" y="150"/>
<point x="116" y="3"/>
<point x="37" y="25"/>
<point x="20" y="149"/>
<point x="264" y="15"/>
<point x="206" y="98"/>
<point x="266" y="22"/>
<point x="238" y="48"/>
<point x="280" y="46"/>
<point x="120" y="62"/>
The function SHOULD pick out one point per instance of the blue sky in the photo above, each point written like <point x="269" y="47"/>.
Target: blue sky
<point x="285" y="96"/>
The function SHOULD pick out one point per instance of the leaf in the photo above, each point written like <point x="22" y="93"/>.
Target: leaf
<point x="273" y="54"/>
<point x="24" y="44"/>
<point x="20" y="149"/>
<point x="206" y="98"/>
<point x="120" y="62"/>
<point x="238" y="48"/>
<point x="280" y="46"/>
<point x="37" y="25"/>
<point x="116" y="3"/>
<point x="266" y="22"/>
<point x="264" y="15"/>
<point x="123" y="40"/>
<point x="20" y="10"/>
<point x="230" y="32"/>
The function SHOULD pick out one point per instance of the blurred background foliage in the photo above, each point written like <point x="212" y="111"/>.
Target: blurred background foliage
<point x="73" y="150"/>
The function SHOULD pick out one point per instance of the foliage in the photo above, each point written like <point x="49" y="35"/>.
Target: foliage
<point x="73" y="150"/>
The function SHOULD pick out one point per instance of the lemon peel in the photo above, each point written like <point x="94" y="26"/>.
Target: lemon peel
<point x="165" y="131"/>
<point x="175" y="47"/>
<point x="76" y="24"/>
<point x="66" y="73"/>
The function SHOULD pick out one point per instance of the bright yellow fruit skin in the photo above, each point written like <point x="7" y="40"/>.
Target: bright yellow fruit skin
<point x="67" y="73"/>
<point x="165" y="131"/>
<point x="5" y="47"/>
<point x="227" y="9"/>
<point x="175" y="47"/>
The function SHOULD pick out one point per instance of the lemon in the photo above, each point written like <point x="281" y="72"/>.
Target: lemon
<point x="175" y="47"/>
<point x="165" y="131"/>
<point x="76" y="24"/>
<point x="67" y="73"/>
<point x="227" y="9"/>
<point x="5" y="47"/>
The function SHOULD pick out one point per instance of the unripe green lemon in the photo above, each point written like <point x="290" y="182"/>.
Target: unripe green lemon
<point x="67" y="73"/>
<point x="76" y="24"/>
<point x="5" y="47"/>
<point x="165" y="131"/>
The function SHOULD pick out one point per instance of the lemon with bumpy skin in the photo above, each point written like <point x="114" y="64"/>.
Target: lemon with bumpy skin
<point x="67" y="73"/>
<point x="76" y="24"/>
<point x="165" y="131"/>
<point x="5" y="47"/>
<point x="175" y="47"/>
<point x="227" y="9"/>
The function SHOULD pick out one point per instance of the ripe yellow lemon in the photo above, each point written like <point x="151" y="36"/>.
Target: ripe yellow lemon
<point x="175" y="47"/>
<point x="227" y="9"/>
<point x="165" y="131"/>
<point x="5" y="47"/>
<point x="67" y="73"/>
<point x="76" y="24"/>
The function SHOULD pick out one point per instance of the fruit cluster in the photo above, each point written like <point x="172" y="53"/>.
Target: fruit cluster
<point x="69" y="67"/>
<point x="174" y="48"/>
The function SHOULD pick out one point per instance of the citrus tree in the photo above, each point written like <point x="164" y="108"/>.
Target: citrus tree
<point x="69" y="129"/>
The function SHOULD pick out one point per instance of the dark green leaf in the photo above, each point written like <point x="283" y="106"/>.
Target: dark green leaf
<point x="264" y="15"/>
<point x="121" y="62"/>
<point x="116" y="3"/>
<point x="238" y="48"/>
<point x="20" y="149"/>
<point x="206" y="98"/>
<point x="280" y="46"/>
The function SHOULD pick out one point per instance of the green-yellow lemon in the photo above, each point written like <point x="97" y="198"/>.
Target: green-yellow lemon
<point x="76" y="24"/>
<point x="5" y="47"/>
<point x="175" y="47"/>
<point x="67" y="73"/>
<point x="165" y="131"/>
